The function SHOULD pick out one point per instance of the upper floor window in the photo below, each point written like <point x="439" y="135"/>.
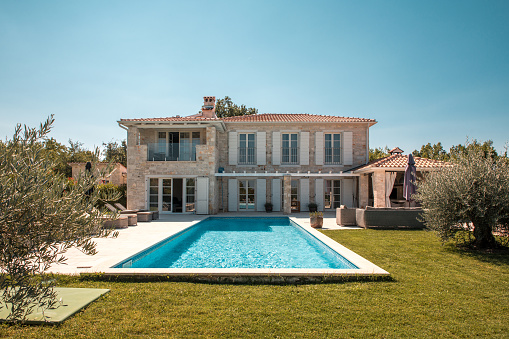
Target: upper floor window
<point x="247" y="149"/>
<point x="332" y="148"/>
<point x="174" y="146"/>
<point x="289" y="149"/>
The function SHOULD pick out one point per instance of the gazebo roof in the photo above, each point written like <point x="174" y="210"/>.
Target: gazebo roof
<point x="399" y="161"/>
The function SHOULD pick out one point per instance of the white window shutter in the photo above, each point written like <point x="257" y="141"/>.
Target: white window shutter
<point x="347" y="148"/>
<point x="276" y="195"/>
<point x="319" y="148"/>
<point x="261" y="194"/>
<point x="232" y="148"/>
<point x="319" y="193"/>
<point x="261" y="152"/>
<point x="276" y="148"/>
<point x="304" y="148"/>
<point x="347" y="193"/>
<point x="232" y="195"/>
<point x="202" y="195"/>
<point x="304" y="194"/>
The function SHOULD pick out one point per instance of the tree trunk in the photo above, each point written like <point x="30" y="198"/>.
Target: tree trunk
<point x="483" y="236"/>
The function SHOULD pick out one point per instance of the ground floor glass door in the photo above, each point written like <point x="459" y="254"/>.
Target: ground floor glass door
<point x="171" y="195"/>
<point x="332" y="197"/>
<point x="247" y="195"/>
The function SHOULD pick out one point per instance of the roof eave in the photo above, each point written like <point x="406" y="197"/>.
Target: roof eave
<point x="219" y="124"/>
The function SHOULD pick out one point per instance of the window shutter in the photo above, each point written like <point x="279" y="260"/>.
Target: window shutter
<point x="261" y="152"/>
<point x="347" y="148"/>
<point x="261" y="194"/>
<point x="304" y="194"/>
<point x="232" y="148"/>
<point x="276" y="195"/>
<point x="347" y="193"/>
<point x="276" y="148"/>
<point x="319" y="148"/>
<point x="202" y="195"/>
<point x="319" y="193"/>
<point x="232" y="195"/>
<point x="304" y="148"/>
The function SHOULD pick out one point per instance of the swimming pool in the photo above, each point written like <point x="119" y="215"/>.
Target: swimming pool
<point x="173" y="267"/>
<point x="240" y="243"/>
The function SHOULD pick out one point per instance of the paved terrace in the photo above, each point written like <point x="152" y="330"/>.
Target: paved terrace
<point x="111" y="251"/>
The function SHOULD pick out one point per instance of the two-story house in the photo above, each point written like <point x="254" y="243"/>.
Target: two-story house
<point x="204" y="164"/>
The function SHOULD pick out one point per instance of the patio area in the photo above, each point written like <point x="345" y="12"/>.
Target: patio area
<point x="136" y="238"/>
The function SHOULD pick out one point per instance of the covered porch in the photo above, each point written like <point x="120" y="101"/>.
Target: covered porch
<point x="288" y="192"/>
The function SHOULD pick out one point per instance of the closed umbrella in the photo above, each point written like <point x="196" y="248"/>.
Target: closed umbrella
<point x="409" y="179"/>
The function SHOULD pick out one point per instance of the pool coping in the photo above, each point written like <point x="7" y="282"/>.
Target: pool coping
<point x="365" y="267"/>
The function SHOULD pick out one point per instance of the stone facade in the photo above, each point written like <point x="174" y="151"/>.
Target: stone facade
<point x="214" y="158"/>
<point x="360" y="146"/>
<point x="140" y="168"/>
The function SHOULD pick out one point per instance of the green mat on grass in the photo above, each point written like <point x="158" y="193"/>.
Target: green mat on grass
<point x="73" y="300"/>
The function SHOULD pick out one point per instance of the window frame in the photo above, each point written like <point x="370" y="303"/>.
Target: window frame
<point x="248" y="159"/>
<point x="293" y="152"/>
<point x="334" y="151"/>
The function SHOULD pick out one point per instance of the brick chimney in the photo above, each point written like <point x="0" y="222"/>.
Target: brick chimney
<point x="209" y="107"/>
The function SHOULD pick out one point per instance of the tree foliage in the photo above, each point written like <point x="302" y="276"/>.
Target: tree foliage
<point x="473" y="191"/>
<point x="378" y="153"/>
<point x="77" y="153"/>
<point x="226" y="108"/>
<point x="115" y="152"/>
<point x="42" y="214"/>
<point x="485" y="147"/>
<point x="436" y="152"/>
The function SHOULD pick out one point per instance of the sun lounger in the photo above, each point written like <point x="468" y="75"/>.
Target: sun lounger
<point x="121" y="222"/>
<point x="155" y="214"/>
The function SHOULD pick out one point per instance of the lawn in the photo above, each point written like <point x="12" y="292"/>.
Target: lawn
<point x="436" y="291"/>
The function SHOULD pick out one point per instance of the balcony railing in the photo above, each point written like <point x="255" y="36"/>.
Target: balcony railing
<point x="171" y="152"/>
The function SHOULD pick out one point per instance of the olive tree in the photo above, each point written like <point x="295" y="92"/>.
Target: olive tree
<point x="42" y="215"/>
<point x="473" y="191"/>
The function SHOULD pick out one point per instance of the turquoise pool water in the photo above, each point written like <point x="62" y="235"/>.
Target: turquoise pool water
<point x="240" y="243"/>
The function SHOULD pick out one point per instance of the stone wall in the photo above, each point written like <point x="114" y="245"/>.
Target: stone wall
<point x="359" y="149"/>
<point x="139" y="168"/>
<point x="213" y="153"/>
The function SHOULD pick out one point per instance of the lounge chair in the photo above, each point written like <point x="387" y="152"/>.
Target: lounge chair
<point x="155" y="214"/>
<point x="132" y="218"/>
<point x="121" y="222"/>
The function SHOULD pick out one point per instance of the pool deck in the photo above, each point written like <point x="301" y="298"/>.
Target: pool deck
<point x="134" y="239"/>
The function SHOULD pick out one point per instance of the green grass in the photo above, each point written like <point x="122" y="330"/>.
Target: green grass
<point x="436" y="291"/>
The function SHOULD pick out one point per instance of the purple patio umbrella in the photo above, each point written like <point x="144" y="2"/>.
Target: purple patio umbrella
<point x="409" y="179"/>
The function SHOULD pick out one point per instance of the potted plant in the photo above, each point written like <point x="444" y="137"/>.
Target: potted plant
<point x="268" y="207"/>
<point x="313" y="207"/>
<point x="316" y="219"/>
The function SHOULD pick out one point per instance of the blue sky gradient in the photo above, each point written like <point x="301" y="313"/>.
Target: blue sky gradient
<point x="427" y="71"/>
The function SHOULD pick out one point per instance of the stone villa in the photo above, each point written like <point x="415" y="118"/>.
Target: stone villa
<point x="203" y="164"/>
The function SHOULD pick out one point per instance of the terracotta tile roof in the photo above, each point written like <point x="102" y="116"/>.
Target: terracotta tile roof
<point x="261" y="118"/>
<point x="294" y="118"/>
<point x="177" y="118"/>
<point x="400" y="161"/>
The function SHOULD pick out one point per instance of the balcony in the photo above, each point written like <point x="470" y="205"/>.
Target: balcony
<point x="171" y="151"/>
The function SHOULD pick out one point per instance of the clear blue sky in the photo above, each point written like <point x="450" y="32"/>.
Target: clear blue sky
<point x="427" y="71"/>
